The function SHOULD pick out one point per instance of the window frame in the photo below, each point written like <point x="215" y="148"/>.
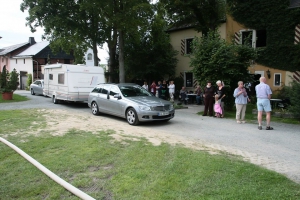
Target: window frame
<point x="103" y="88"/>
<point x="280" y="77"/>
<point x="192" y="80"/>
<point x="91" y="56"/>
<point x="254" y="37"/>
<point x="186" y="46"/>
<point x="58" y="78"/>
<point x="113" y="87"/>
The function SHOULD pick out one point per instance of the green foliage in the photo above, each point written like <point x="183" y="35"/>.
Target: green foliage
<point x="214" y="59"/>
<point x="106" y="168"/>
<point x="279" y="21"/>
<point x="29" y="81"/>
<point x="202" y="14"/>
<point x="293" y="93"/>
<point x="15" y="98"/>
<point x="70" y="25"/>
<point x="9" y="80"/>
<point x="149" y="55"/>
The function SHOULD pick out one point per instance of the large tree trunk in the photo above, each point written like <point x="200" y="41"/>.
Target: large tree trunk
<point x="121" y="57"/>
<point x="95" y="52"/>
<point x="112" y="65"/>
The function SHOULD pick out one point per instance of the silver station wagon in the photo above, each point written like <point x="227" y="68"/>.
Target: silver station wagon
<point x="130" y="101"/>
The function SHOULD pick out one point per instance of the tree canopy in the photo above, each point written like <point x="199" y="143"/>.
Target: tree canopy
<point x="150" y="56"/>
<point x="214" y="59"/>
<point x="202" y="14"/>
<point x="80" y="24"/>
<point x="279" y="22"/>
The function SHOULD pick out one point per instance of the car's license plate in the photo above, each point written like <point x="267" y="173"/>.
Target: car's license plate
<point x="163" y="113"/>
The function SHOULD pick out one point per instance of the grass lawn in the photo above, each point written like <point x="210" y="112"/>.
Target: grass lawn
<point x="108" y="169"/>
<point x="253" y="117"/>
<point x="16" y="98"/>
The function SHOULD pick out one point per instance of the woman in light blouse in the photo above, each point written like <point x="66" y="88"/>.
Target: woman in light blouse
<point x="241" y="100"/>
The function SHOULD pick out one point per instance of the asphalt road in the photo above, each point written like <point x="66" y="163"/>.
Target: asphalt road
<point x="278" y="149"/>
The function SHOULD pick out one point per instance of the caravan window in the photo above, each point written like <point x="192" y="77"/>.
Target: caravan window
<point x="61" y="78"/>
<point x="50" y="76"/>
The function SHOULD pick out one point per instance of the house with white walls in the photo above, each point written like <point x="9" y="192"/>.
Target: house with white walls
<point x="30" y="61"/>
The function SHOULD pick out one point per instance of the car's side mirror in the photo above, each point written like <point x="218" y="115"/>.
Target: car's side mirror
<point x="117" y="96"/>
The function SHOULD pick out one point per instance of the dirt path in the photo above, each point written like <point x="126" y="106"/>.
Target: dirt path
<point x="60" y="121"/>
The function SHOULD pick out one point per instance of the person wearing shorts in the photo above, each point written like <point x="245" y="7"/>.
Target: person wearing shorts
<point x="263" y="95"/>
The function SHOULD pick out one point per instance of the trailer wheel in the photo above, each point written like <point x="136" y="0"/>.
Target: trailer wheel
<point x="131" y="117"/>
<point x="54" y="100"/>
<point x="95" y="108"/>
<point x="32" y="92"/>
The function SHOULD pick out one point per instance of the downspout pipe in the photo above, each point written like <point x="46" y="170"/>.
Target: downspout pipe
<point x="46" y="171"/>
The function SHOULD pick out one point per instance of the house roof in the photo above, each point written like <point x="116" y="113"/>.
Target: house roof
<point x="47" y="52"/>
<point x="33" y="49"/>
<point x="6" y="50"/>
<point x="181" y="27"/>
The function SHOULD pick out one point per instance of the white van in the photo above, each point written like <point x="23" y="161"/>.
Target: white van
<point x="71" y="82"/>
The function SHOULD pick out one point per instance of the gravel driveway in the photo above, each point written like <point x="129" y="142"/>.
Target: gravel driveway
<point x="278" y="150"/>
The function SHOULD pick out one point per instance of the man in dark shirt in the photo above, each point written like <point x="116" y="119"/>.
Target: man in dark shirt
<point x="208" y="95"/>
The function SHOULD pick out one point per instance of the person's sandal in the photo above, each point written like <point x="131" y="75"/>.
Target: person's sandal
<point x="269" y="128"/>
<point x="238" y="121"/>
<point x="259" y="127"/>
<point x="243" y="122"/>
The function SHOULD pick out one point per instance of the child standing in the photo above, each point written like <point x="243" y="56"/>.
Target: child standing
<point x="217" y="107"/>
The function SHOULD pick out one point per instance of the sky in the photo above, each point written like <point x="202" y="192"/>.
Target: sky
<point x="13" y="29"/>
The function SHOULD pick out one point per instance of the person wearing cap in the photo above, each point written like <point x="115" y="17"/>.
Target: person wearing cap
<point x="220" y="91"/>
<point x="208" y="96"/>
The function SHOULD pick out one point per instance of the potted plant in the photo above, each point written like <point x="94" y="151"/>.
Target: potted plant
<point x="8" y="83"/>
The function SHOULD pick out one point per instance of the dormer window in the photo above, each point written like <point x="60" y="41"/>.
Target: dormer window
<point x="89" y="56"/>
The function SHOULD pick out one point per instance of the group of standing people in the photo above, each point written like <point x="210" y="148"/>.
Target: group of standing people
<point x="214" y="99"/>
<point x="161" y="89"/>
<point x="263" y="95"/>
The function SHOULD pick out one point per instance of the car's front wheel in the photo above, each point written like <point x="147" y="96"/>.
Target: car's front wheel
<point x="132" y="117"/>
<point x="32" y="92"/>
<point x="95" y="108"/>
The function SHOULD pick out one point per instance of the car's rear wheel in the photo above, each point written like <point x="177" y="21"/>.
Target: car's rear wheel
<point x="32" y="92"/>
<point x="95" y="108"/>
<point x="54" y="100"/>
<point x="132" y="117"/>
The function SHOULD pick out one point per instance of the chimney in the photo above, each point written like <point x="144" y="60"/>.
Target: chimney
<point x="31" y="41"/>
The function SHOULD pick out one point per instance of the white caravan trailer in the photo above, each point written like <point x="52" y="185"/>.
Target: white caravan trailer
<point x="71" y="82"/>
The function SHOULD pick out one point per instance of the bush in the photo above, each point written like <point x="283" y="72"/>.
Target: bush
<point x="29" y="81"/>
<point x="293" y="93"/>
<point x="9" y="80"/>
